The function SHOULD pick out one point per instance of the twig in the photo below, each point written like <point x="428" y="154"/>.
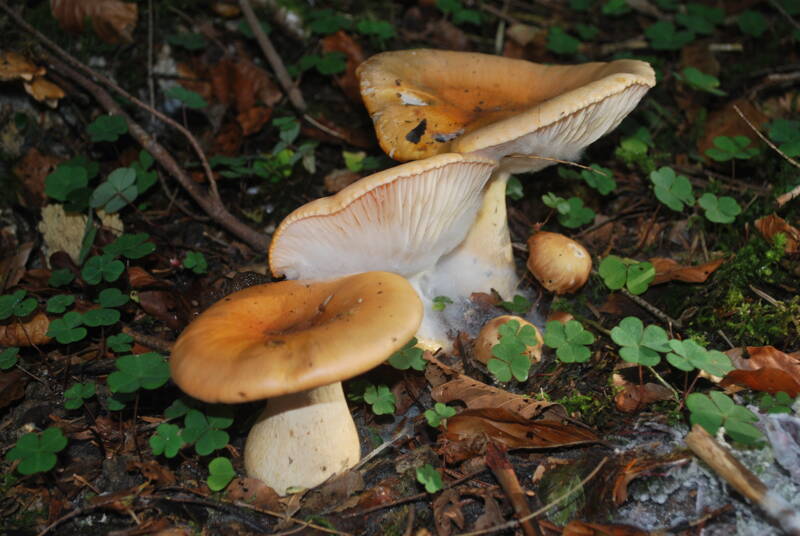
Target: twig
<point x="543" y="509"/>
<point x="788" y="196"/>
<point x="155" y="343"/>
<point x="777" y="5"/>
<point x="665" y="383"/>
<point x="498" y="462"/>
<point x="272" y="57"/>
<point x="652" y="309"/>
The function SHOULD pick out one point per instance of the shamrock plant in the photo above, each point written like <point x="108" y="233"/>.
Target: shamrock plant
<point x="719" y="209"/>
<point x="697" y="79"/>
<point x="16" y="304"/>
<point x="220" y="473"/>
<point x="633" y="275"/>
<point x="640" y="345"/>
<point x="716" y="409"/>
<point x="569" y="340"/>
<point x="439" y="414"/>
<point x="167" y="440"/>
<point x="729" y="148"/>
<point x="688" y="355"/>
<point x="37" y="452"/>
<point x="142" y="371"/>
<point x="206" y="432"/>
<point x="598" y="177"/>
<point x="780" y="403"/>
<point x="571" y="212"/>
<point x="675" y="191"/>
<point x="429" y="477"/>
<point x="518" y="305"/>
<point x="380" y="398"/>
<point x="409" y="356"/>
<point x="8" y="358"/>
<point x="75" y="396"/>
<point x="510" y="353"/>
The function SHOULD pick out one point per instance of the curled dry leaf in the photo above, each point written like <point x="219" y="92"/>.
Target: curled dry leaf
<point x="635" y="397"/>
<point x="768" y="369"/>
<point x="448" y="385"/>
<point x="254" y="492"/>
<point x="14" y="66"/>
<point x="113" y="21"/>
<point x="31" y="170"/>
<point x="34" y="331"/>
<point x="45" y="91"/>
<point x="342" y="42"/>
<point x="669" y="270"/>
<point x="773" y="224"/>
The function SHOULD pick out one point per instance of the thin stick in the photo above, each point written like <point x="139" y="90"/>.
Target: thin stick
<point x="652" y="309"/>
<point x="272" y="57"/>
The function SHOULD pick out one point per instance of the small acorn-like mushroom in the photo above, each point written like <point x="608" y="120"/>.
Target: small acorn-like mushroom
<point x="490" y="335"/>
<point x="558" y="262"/>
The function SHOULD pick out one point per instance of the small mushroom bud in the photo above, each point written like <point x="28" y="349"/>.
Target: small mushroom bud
<point x="490" y="335"/>
<point x="559" y="263"/>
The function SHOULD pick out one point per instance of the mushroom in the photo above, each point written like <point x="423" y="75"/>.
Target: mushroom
<point x="294" y="342"/>
<point x="559" y="263"/>
<point x="525" y="115"/>
<point x="402" y="220"/>
<point x="490" y="336"/>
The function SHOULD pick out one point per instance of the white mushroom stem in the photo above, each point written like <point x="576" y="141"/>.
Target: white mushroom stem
<point x="484" y="260"/>
<point x="301" y="439"/>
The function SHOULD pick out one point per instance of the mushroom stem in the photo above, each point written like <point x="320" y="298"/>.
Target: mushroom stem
<point x="484" y="260"/>
<point x="302" y="438"/>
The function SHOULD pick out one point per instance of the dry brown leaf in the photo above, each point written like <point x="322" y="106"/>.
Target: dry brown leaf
<point x="339" y="178"/>
<point x="14" y="66"/>
<point x="768" y="369"/>
<point x="43" y="90"/>
<point x="342" y="42"/>
<point x="448" y="385"/>
<point x="447" y="512"/>
<point x="335" y="493"/>
<point x="33" y="331"/>
<point x="726" y="122"/>
<point x="255" y="492"/>
<point x="251" y="83"/>
<point x="154" y="471"/>
<point x="634" y="397"/>
<point x="13" y="268"/>
<point x="253" y="120"/>
<point x="669" y="270"/>
<point x="582" y="528"/>
<point x="113" y="21"/>
<point x="510" y="429"/>
<point x="12" y="386"/>
<point x="32" y="170"/>
<point x="773" y="224"/>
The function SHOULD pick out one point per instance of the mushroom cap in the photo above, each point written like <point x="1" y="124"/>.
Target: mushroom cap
<point x="425" y="102"/>
<point x="401" y="220"/>
<point x="280" y="338"/>
<point x="558" y="262"/>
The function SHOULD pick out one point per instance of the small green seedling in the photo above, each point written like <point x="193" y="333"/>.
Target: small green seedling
<point x="16" y="304"/>
<point x="717" y="409"/>
<point x="663" y="35"/>
<point x="37" y="452"/>
<point x="381" y="399"/>
<point x="75" y="396"/>
<point x="510" y="357"/>
<point x="618" y="272"/>
<point x="187" y="97"/>
<point x="439" y="414"/>
<point x="730" y="148"/>
<point x="102" y="267"/>
<point x="688" y="355"/>
<point x="9" y="358"/>
<point x="519" y="305"/>
<point x="107" y="128"/>
<point x="571" y="212"/>
<point x="68" y="328"/>
<point x="640" y="345"/>
<point x="719" y="209"/>
<point x="60" y="303"/>
<point x="207" y="433"/>
<point x="752" y="23"/>
<point x="121" y="342"/>
<point x="196" y="262"/>
<point x="167" y="440"/>
<point x="561" y="42"/>
<point x="780" y="403"/>
<point x="130" y="246"/>
<point x="220" y="473"/>
<point x="569" y="340"/>
<point x="440" y="302"/>
<point x="118" y="190"/>
<point x="409" y="356"/>
<point x="430" y="478"/>
<point x="675" y="191"/>
<point x="134" y="372"/>
<point x="60" y="278"/>
<point x="697" y="79"/>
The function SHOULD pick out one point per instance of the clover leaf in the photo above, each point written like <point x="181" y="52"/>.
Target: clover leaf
<point x="717" y="409"/>
<point x="60" y="277"/>
<point x="639" y="344"/>
<point x="121" y="342"/>
<point x="599" y="178"/>
<point x="220" y="473"/>
<point x="102" y="267"/>
<point x="112" y="297"/>
<point x="206" y="432"/>
<point x="67" y="328"/>
<point x="663" y="35"/>
<point x="440" y="302"/>
<point x="673" y="190"/>
<point x="16" y="304"/>
<point x="189" y="98"/>
<point x="107" y="128"/>
<point x="786" y="132"/>
<point x="561" y="42"/>
<point x="571" y="212"/>
<point x="697" y="79"/>
<point x="430" y="478"/>
<point x="101" y="317"/>
<point x="134" y="372"/>
<point x="780" y="403"/>
<point x="75" y="395"/>
<point x="409" y="356"/>
<point x="118" y="190"/>
<point x="196" y="262"/>
<point x="167" y="440"/>
<point x="719" y="209"/>
<point x="8" y="357"/>
<point x="64" y="180"/>
<point x="729" y="148"/>
<point x="569" y="340"/>
<point x="58" y="304"/>
<point x="687" y="355"/>
<point x="37" y="452"/>
<point x="618" y="273"/>
<point x="130" y="246"/>
<point x="752" y="23"/>
<point x="510" y="357"/>
<point x="439" y="414"/>
<point x="178" y="408"/>
<point x="380" y="398"/>
<point x="518" y="305"/>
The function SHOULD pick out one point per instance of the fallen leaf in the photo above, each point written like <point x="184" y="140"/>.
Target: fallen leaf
<point x="773" y="224"/>
<point x="338" y="179"/>
<point x="154" y="471"/>
<point x="113" y="21"/>
<point x="14" y="66"/>
<point x="228" y="141"/>
<point x="31" y="170"/>
<point x="669" y="270"/>
<point x="225" y="9"/>
<point x="448" y="385"/>
<point x="28" y="333"/>
<point x="634" y="397"/>
<point x="447" y="512"/>
<point x="141" y="278"/>
<point x="251" y="83"/>
<point x="255" y="492"/>
<point x="160" y="304"/>
<point x="12" y="386"/>
<point x="386" y="491"/>
<point x="726" y="122"/>
<point x="334" y="493"/>
<point x="253" y="120"/>
<point x="582" y="528"/>
<point x="767" y="369"/>
<point x="492" y="515"/>
<point x="348" y="82"/>
<point x="43" y="90"/>
<point x="13" y="268"/>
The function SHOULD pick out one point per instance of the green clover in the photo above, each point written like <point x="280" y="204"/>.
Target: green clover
<point x="569" y="340"/>
<point x="717" y="409"/>
<point x="37" y="452"/>
<point x="639" y="344"/>
<point x="673" y="190"/>
<point x="75" y="395"/>
<point x="409" y="356"/>
<point x="430" y="478"/>
<point x="220" y="473"/>
<point x="439" y="414"/>
<point x="206" y="432"/>
<point x="380" y="398"/>
<point x="134" y="372"/>
<point x="167" y="440"/>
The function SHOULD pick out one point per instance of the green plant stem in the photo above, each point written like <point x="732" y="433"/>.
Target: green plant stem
<point x="666" y="384"/>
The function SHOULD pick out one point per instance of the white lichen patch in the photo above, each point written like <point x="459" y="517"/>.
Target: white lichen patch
<point x="63" y="231"/>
